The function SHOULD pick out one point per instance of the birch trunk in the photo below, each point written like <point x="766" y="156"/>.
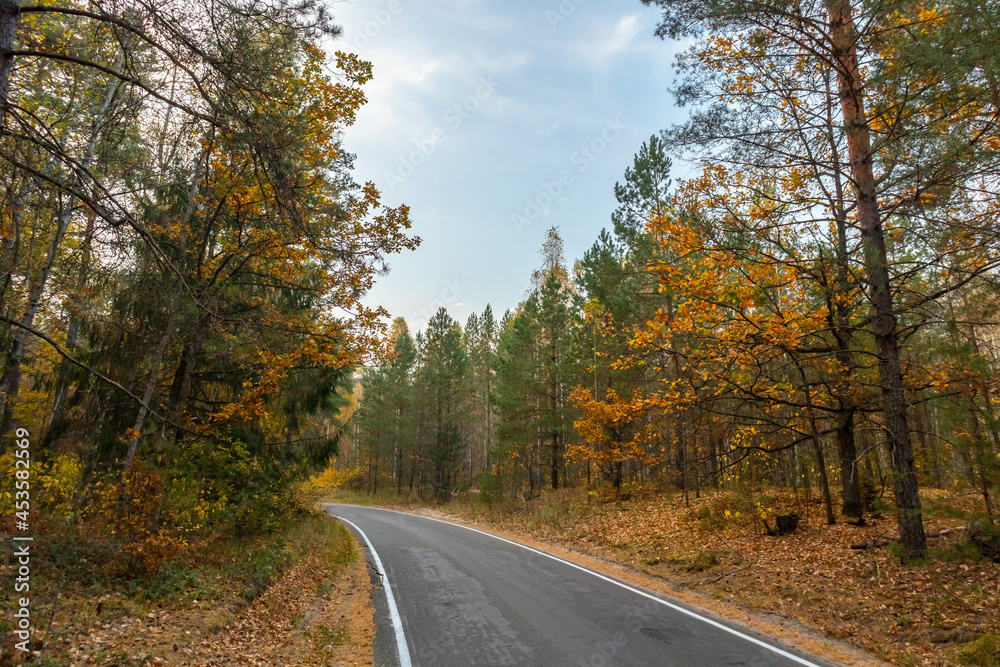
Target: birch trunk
<point x="11" y="381"/>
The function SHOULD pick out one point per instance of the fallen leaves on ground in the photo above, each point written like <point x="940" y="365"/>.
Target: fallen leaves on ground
<point x="312" y="615"/>
<point x="317" y="612"/>
<point x="919" y="614"/>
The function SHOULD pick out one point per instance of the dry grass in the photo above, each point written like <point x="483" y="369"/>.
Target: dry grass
<point x="300" y="597"/>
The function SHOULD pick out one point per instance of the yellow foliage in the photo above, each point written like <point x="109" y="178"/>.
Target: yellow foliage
<point x="58" y="484"/>
<point x="325" y="483"/>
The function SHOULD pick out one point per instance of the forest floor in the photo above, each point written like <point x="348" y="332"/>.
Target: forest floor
<point x="302" y="597"/>
<point x="942" y="611"/>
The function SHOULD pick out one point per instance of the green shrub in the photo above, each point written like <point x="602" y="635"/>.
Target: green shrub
<point x="491" y="488"/>
<point x="984" y="652"/>
<point x="985" y="537"/>
<point x="956" y="552"/>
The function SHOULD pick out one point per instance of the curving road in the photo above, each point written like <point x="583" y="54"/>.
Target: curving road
<point x="458" y="597"/>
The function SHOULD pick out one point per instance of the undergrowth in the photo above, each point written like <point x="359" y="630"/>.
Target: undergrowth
<point x="89" y="581"/>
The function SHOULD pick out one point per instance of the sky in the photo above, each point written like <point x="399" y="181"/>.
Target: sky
<point x="495" y="120"/>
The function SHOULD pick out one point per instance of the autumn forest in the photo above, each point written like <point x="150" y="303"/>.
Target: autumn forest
<point x="811" y="311"/>
<point x="816" y="306"/>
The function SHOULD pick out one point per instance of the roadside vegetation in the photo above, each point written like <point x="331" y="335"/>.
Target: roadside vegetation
<point x="184" y="255"/>
<point x="277" y="595"/>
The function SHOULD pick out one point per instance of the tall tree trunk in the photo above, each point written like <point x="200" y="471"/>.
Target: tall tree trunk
<point x="489" y="408"/>
<point x="10" y="16"/>
<point x="823" y="480"/>
<point x="697" y="472"/>
<point x="157" y="362"/>
<point x="184" y="378"/>
<point x="11" y="381"/>
<point x="907" y="495"/>
<point x="397" y="458"/>
<point x="990" y="413"/>
<point x="554" y="437"/>
<point x="804" y="474"/>
<point x="715" y="449"/>
<point x="72" y="334"/>
<point x="840" y="315"/>
<point x="183" y="382"/>
<point x="850" y="477"/>
<point x="817" y="444"/>
<point x="790" y="470"/>
<point x="11" y="246"/>
<point x="399" y="471"/>
<point x="147" y="394"/>
<point x="682" y="449"/>
<point x="376" y="444"/>
<point x="920" y="428"/>
<point x="933" y="446"/>
<point x="980" y="457"/>
<point x="553" y="406"/>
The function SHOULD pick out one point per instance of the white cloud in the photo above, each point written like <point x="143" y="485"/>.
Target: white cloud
<point x="549" y="130"/>
<point x="507" y="63"/>
<point x="414" y="75"/>
<point x="621" y="39"/>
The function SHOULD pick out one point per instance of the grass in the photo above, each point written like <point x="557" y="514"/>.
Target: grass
<point x="955" y="553"/>
<point x="224" y="573"/>
<point x="327" y="638"/>
<point x="95" y="566"/>
<point x="984" y="652"/>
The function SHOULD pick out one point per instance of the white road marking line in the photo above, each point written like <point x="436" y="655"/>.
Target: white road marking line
<point x="397" y="622"/>
<point x="644" y="594"/>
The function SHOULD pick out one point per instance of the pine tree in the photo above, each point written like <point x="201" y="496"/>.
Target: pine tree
<point x="446" y="365"/>
<point x="618" y="290"/>
<point x="399" y="377"/>
<point x="554" y="324"/>
<point x="517" y="394"/>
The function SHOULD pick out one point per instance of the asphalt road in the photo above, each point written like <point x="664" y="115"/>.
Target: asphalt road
<point x="457" y="597"/>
